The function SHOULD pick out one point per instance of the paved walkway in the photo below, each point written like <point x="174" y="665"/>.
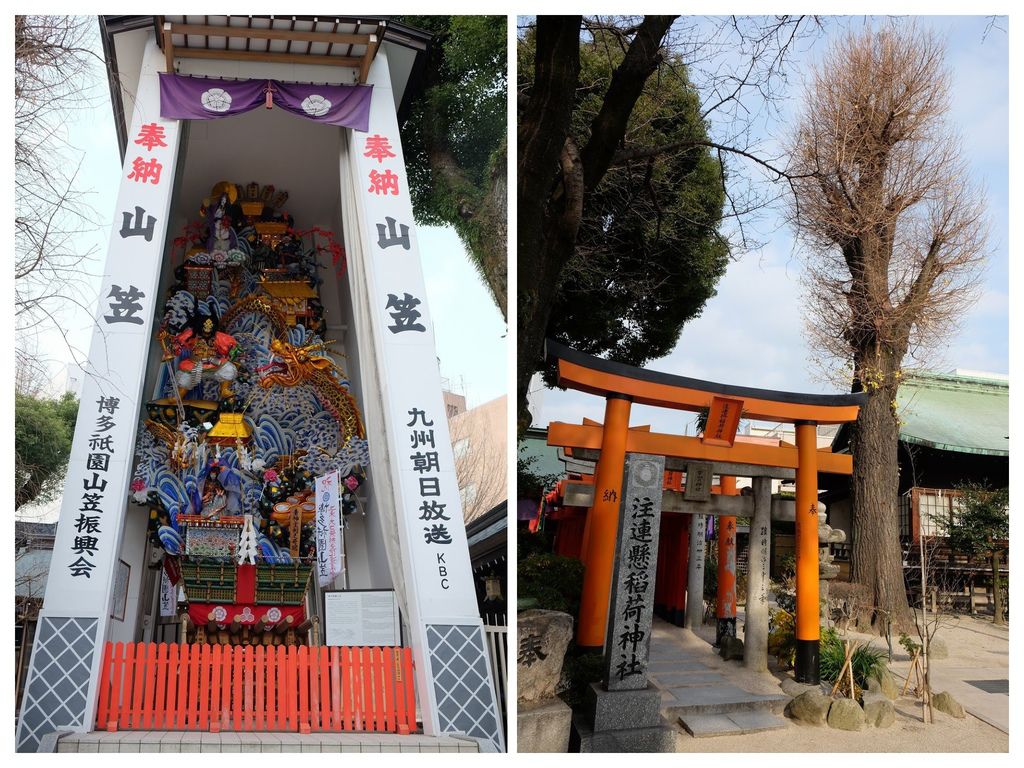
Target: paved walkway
<point x="194" y="741"/>
<point x="711" y="696"/>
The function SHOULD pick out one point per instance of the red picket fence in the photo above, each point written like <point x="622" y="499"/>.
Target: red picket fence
<point x="167" y="686"/>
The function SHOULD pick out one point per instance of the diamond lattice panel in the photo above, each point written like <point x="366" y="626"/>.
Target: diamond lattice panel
<point x="462" y="687"/>
<point x="58" y="681"/>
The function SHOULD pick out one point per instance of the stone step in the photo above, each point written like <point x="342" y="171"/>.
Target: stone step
<point x="732" y="724"/>
<point x="721" y="699"/>
<point x="668" y="680"/>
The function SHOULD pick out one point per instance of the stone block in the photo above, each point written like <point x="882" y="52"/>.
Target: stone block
<point x="883" y="682"/>
<point x="631" y="607"/>
<point x="944" y="702"/>
<point x="615" y="710"/>
<point x="544" y="635"/>
<point x="731" y="648"/>
<point x="658" y="739"/>
<point x="791" y="687"/>
<point x="543" y="727"/>
<point x="846" y="715"/>
<point x="809" y="707"/>
<point x="878" y="710"/>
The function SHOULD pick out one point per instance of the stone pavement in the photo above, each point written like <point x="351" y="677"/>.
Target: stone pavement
<point x="196" y="741"/>
<point x="708" y="696"/>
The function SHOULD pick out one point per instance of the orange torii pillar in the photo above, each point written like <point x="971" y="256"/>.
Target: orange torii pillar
<point x="725" y="606"/>
<point x="603" y="524"/>
<point x="808" y="624"/>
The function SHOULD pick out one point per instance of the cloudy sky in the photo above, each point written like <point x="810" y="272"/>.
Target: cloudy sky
<point x="752" y="332"/>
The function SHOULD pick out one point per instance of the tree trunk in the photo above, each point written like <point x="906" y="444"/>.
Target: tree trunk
<point x="997" y="591"/>
<point x="554" y="174"/>
<point x="542" y="131"/>
<point x="877" y="561"/>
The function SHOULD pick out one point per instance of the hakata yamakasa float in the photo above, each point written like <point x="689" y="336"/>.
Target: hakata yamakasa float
<point x="261" y="528"/>
<point x="690" y="463"/>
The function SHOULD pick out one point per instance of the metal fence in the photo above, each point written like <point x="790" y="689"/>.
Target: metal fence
<point x="497" y="650"/>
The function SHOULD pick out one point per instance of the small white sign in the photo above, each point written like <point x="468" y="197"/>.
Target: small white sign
<point x="362" y="618"/>
<point x="328" y="533"/>
<point x="168" y="596"/>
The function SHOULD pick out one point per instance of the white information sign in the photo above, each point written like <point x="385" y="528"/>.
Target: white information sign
<point x="328" y="533"/>
<point x="362" y="618"/>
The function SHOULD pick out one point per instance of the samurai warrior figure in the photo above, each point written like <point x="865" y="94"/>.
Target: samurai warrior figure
<point x="210" y="352"/>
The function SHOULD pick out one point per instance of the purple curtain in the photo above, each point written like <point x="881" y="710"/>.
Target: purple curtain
<point x="207" y="98"/>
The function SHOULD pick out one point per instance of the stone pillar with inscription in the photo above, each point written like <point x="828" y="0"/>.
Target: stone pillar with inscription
<point x="755" y="624"/>
<point x="623" y="712"/>
<point x="698" y="488"/>
<point x="61" y="688"/>
<point x="414" y="468"/>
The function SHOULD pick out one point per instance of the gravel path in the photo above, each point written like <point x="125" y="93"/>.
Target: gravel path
<point x="970" y="641"/>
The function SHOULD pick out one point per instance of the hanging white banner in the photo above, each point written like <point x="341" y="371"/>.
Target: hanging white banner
<point x="168" y="596"/>
<point x="328" y="535"/>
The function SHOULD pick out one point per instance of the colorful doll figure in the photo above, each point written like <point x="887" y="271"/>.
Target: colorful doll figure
<point x="215" y="498"/>
<point x="211" y="352"/>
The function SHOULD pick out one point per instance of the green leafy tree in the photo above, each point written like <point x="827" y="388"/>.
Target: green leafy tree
<point x="455" y="140"/>
<point x="648" y="254"/>
<point x="980" y="525"/>
<point x="43" y="429"/>
<point x="620" y="189"/>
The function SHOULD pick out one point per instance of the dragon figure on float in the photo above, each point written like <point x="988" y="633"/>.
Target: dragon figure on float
<point x="249" y="409"/>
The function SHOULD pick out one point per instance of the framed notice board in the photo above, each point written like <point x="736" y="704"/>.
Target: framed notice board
<point x="120" y="598"/>
<point x="363" y="617"/>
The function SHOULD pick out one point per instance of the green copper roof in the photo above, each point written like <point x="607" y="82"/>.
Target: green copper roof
<point x="534" y="443"/>
<point x="965" y="414"/>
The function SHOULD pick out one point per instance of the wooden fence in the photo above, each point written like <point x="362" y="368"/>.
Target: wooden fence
<point x="170" y="686"/>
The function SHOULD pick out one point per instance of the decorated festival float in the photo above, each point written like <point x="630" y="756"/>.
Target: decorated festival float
<point x="249" y="411"/>
<point x="261" y="527"/>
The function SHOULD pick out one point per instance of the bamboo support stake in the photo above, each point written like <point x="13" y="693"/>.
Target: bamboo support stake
<point x="910" y="672"/>
<point x="849" y="668"/>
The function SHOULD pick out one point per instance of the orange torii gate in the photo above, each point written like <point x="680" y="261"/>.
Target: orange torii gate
<point x="621" y="385"/>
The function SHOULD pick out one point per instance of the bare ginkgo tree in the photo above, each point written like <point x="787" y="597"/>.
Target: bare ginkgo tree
<point x="54" y="74"/>
<point x="896" y="239"/>
<point x="481" y="459"/>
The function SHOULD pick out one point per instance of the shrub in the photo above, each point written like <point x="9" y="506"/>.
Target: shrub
<point x="555" y="582"/>
<point x="867" y="661"/>
<point x="581" y="668"/>
<point x="782" y="637"/>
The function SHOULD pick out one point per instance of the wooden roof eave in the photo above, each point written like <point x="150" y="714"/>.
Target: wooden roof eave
<point x="370" y="42"/>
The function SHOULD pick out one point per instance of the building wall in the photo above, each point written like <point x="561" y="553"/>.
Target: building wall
<point x="133" y="552"/>
<point x="479" y="440"/>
